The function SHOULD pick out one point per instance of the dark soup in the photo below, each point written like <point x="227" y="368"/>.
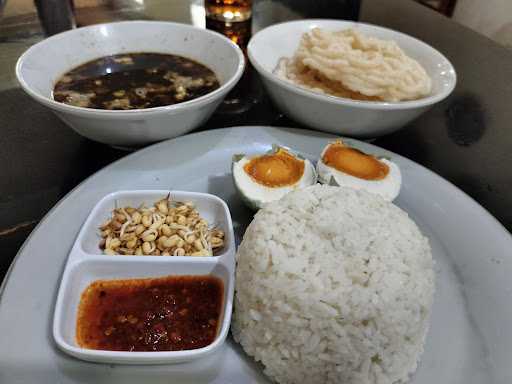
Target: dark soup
<point x="135" y="81"/>
<point x="170" y="313"/>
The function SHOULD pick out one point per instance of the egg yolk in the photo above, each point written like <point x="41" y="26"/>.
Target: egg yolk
<point x="354" y="162"/>
<point x="275" y="170"/>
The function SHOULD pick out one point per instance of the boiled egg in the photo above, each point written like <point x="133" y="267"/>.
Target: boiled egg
<point x="342" y="165"/>
<point x="268" y="177"/>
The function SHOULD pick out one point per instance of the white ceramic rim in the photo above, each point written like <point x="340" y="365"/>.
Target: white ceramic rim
<point x="199" y="101"/>
<point x="384" y="105"/>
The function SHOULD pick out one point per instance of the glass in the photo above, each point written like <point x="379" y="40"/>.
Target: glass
<point x="242" y="97"/>
<point x="229" y="10"/>
<point x="238" y="32"/>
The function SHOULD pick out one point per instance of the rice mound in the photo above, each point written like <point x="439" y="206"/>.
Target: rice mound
<point x="333" y="285"/>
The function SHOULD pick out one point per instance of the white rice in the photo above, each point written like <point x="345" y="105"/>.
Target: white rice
<point x="333" y="285"/>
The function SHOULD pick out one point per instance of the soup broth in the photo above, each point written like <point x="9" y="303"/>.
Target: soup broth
<point x="135" y="81"/>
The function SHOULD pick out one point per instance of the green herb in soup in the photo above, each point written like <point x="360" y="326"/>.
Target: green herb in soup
<point x="135" y="81"/>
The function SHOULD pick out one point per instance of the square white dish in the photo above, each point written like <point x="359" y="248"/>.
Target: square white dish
<point x="213" y="209"/>
<point x="87" y="264"/>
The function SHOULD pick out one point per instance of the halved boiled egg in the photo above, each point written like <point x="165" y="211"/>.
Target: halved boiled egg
<point x="268" y="177"/>
<point x="342" y="165"/>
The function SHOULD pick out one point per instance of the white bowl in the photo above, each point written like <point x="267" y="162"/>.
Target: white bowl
<point x="337" y="115"/>
<point x="41" y="65"/>
<point x="87" y="264"/>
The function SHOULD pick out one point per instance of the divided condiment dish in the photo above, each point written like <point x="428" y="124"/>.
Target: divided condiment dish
<point x="87" y="264"/>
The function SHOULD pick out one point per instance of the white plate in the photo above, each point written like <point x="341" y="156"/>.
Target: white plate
<point x="470" y="340"/>
<point x="87" y="263"/>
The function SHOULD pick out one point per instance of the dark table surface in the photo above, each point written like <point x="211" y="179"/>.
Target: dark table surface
<point x="465" y="139"/>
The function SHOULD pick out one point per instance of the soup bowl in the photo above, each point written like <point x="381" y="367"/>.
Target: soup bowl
<point x="363" y="119"/>
<point x="40" y="67"/>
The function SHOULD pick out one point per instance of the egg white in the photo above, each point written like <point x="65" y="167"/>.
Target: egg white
<point x="388" y="188"/>
<point x="260" y="194"/>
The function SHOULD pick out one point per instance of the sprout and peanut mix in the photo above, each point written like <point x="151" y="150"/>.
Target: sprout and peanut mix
<point x="168" y="228"/>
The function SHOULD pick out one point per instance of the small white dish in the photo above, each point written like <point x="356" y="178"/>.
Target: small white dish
<point x="341" y="116"/>
<point x="86" y="264"/>
<point x="212" y="209"/>
<point x="39" y="68"/>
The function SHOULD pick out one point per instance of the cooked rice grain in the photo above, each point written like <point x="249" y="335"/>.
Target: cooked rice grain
<point x="333" y="285"/>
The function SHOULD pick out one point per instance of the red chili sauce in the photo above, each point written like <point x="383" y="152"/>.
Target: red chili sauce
<point x="170" y="313"/>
